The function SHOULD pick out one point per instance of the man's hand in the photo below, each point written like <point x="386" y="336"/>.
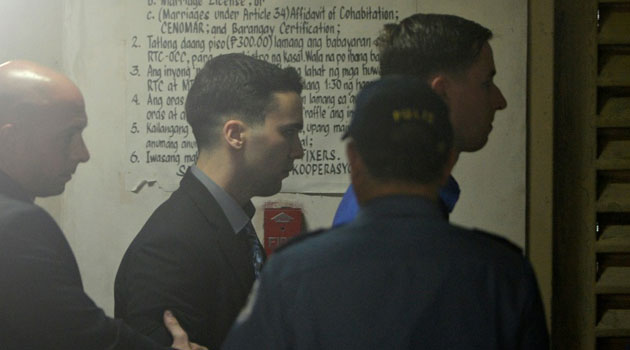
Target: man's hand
<point x="180" y="337"/>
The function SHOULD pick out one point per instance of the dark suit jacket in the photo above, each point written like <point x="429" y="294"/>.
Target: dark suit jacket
<point x="188" y="259"/>
<point x="42" y="301"/>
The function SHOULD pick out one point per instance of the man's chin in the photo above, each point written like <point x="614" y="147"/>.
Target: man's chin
<point x="51" y="191"/>
<point x="270" y="189"/>
<point x="473" y="146"/>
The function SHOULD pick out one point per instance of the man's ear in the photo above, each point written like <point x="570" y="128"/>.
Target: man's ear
<point x="7" y="135"/>
<point x="233" y="133"/>
<point x="357" y="167"/>
<point x="439" y="84"/>
<point x="6" y="128"/>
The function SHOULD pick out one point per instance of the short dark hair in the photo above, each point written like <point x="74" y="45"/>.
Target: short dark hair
<point x="426" y="44"/>
<point x="235" y="84"/>
<point x="401" y="130"/>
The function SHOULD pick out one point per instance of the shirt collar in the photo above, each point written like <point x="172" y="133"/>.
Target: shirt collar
<point x="402" y="205"/>
<point x="450" y="194"/>
<point x="237" y="216"/>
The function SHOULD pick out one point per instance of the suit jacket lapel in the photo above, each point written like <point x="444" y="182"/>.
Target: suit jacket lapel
<point x="235" y="249"/>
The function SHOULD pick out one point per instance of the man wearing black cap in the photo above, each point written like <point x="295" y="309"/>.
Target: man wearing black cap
<point x="399" y="276"/>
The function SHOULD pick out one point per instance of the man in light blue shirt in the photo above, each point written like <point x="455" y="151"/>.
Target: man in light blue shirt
<point x="453" y="56"/>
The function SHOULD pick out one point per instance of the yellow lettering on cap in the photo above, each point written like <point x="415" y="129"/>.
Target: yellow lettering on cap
<point x="428" y="117"/>
<point x="412" y="114"/>
<point x="396" y="115"/>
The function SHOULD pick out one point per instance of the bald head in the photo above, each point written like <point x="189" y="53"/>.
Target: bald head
<point x="26" y="85"/>
<point x="42" y="115"/>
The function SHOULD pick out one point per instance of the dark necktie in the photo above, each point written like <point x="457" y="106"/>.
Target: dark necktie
<point x="257" y="252"/>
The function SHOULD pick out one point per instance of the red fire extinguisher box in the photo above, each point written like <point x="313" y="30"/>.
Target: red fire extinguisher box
<point x="280" y="225"/>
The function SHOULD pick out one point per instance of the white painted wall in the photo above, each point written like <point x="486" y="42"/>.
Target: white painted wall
<point x="86" y="40"/>
<point x="32" y="31"/>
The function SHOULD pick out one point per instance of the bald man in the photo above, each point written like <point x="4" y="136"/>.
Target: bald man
<point x="42" y="301"/>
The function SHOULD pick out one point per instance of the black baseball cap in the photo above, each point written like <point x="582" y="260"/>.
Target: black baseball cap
<point x="399" y="120"/>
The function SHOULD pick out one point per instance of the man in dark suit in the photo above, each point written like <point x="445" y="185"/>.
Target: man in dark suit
<point x="399" y="276"/>
<point x="42" y="301"/>
<point x="246" y="115"/>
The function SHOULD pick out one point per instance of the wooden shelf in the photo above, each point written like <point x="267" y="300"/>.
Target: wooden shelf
<point x="614" y="26"/>
<point x="615" y="198"/>
<point x="613" y="82"/>
<point x="614" y="280"/>
<point x="615" y="113"/>
<point x="604" y="122"/>
<point x="614" y="323"/>
<point x="615" y="155"/>
<point x="614" y="239"/>
<point x="613" y="164"/>
<point x="615" y="71"/>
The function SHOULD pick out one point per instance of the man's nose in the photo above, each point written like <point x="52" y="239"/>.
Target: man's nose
<point x="81" y="152"/>
<point x="297" y="149"/>
<point x="500" y="101"/>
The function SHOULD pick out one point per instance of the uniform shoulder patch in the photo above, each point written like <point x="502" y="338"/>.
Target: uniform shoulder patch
<point x="499" y="239"/>
<point x="299" y="238"/>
